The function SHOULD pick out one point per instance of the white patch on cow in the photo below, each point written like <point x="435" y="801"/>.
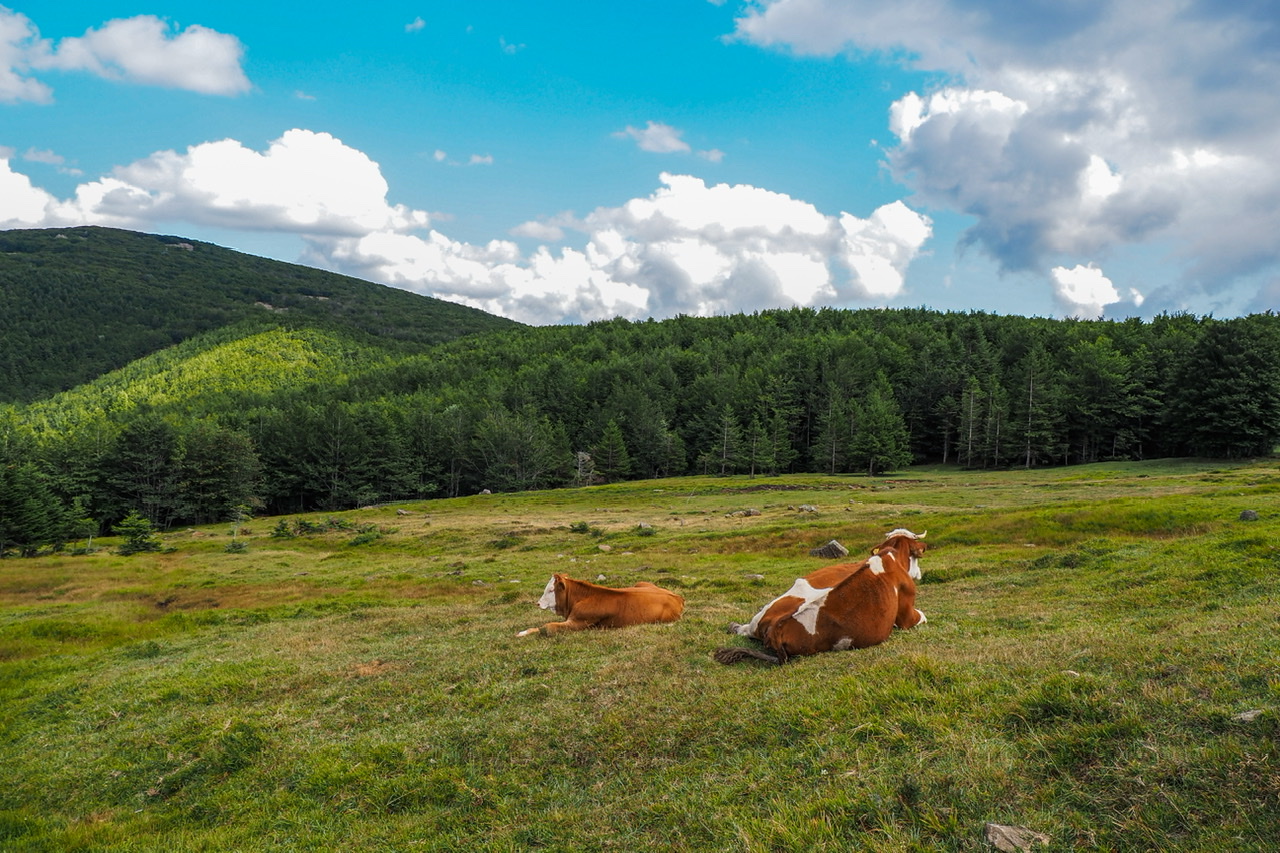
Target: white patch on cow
<point x="843" y="645"/>
<point x="806" y="614"/>
<point x="548" y="600"/>
<point x="875" y="564"/>
<point x="914" y="569"/>
<point x="922" y="619"/>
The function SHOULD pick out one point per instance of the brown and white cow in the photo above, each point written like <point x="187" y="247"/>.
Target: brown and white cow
<point x="845" y="606"/>
<point x="588" y="605"/>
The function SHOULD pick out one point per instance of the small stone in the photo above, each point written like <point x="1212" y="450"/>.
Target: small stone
<point x="1011" y="839"/>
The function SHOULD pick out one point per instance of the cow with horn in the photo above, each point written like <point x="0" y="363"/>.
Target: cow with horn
<point x="845" y="606"/>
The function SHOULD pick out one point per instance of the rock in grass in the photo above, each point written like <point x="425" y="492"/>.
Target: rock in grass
<point x="1013" y="838"/>
<point x="1249" y="515"/>
<point x="833" y="550"/>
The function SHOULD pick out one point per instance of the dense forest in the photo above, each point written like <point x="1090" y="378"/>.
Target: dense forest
<point x="287" y="419"/>
<point x="78" y="302"/>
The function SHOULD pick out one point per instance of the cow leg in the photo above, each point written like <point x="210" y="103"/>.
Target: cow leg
<point x="908" y="615"/>
<point x="557" y="628"/>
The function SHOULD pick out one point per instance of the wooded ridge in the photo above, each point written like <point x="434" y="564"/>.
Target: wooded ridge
<point x="78" y="302"/>
<point x="289" y="418"/>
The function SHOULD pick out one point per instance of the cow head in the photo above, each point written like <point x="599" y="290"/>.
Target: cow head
<point x="915" y="548"/>
<point x="552" y="594"/>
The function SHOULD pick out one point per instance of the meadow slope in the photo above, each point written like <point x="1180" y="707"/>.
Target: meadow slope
<point x="1099" y="665"/>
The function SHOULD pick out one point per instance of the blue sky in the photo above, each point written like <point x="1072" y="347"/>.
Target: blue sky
<point x="563" y="162"/>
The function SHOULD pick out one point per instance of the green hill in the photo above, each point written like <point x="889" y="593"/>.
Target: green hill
<point x="77" y="303"/>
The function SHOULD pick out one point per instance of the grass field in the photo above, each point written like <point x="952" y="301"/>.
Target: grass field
<point x="1101" y="664"/>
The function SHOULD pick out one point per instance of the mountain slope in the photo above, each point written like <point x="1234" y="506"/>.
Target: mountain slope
<point x="76" y="303"/>
<point x="231" y="369"/>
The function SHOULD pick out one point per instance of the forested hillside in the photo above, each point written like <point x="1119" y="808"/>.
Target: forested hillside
<point x="287" y="421"/>
<point x="76" y="303"/>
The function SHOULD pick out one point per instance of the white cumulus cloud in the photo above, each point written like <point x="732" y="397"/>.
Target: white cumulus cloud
<point x="146" y="49"/>
<point x="1073" y="129"/>
<point x="142" y="49"/>
<point x="1083" y="291"/>
<point x="304" y="182"/>
<point x="686" y="248"/>
<point x="19" y="39"/>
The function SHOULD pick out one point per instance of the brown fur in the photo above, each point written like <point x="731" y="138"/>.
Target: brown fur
<point x="861" y="607"/>
<point x="587" y="605"/>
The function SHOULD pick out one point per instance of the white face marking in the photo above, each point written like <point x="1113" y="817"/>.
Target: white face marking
<point x="922" y="619"/>
<point x="548" y="600"/>
<point x="843" y="645"/>
<point x="914" y="570"/>
<point x="875" y="564"/>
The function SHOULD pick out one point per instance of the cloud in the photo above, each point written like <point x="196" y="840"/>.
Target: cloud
<point x="1083" y="291"/>
<point x="416" y="25"/>
<point x="142" y="49"/>
<point x="18" y="40"/>
<point x="656" y="137"/>
<point x="1074" y="130"/>
<point x="441" y="156"/>
<point x="225" y="184"/>
<point x="688" y="248"/>
<point x="22" y="205"/>
<point x="48" y="158"/>
<point x="145" y="49"/>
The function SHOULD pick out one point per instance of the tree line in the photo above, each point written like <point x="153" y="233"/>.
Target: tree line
<point x="829" y="391"/>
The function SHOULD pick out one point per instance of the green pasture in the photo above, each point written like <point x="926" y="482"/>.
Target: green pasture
<point x="1101" y="665"/>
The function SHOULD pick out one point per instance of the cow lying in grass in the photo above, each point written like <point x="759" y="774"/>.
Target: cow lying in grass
<point x="845" y="606"/>
<point x="588" y="605"/>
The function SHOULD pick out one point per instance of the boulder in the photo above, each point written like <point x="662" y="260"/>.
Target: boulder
<point x="833" y="550"/>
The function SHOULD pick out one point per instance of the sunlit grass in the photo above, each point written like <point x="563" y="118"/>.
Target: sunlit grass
<point x="1095" y="635"/>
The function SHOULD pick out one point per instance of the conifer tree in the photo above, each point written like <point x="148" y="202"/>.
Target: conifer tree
<point x="880" y="441"/>
<point x="612" y="461"/>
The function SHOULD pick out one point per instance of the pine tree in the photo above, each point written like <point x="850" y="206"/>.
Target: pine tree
<point x="139" y="535"/>
<point x="31" y="517"/>
<point x="880" y="442"/>
<point x="727" y="452"/>
<point x="612" y="462"/>
<point x="831" y="450"/>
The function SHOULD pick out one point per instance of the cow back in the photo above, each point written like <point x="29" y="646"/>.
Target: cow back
<point x="610" y="607"/>
<point x="860" y="609"/>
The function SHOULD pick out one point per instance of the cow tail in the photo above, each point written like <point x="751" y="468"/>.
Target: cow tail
<point x="736" y="654"/>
